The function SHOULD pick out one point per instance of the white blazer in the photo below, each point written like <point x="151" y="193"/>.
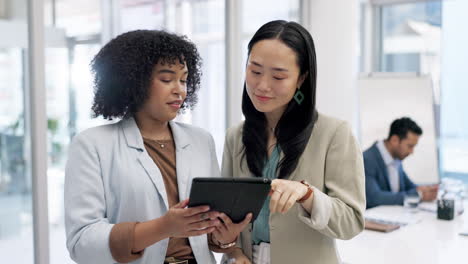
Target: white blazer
<point x="110" y="178"/>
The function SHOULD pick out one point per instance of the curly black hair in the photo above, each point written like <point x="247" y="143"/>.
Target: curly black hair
<point x="123" y="70"/>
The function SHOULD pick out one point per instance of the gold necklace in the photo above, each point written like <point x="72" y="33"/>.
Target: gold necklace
<point x="161" y="144"/>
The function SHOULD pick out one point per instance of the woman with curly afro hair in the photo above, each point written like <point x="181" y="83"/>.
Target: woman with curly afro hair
<point x="127" y="183"/>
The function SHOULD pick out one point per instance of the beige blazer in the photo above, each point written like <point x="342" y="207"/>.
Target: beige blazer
<point x="332" y="162"/>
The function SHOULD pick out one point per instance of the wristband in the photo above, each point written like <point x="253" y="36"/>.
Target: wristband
<point x="308" y="194"/>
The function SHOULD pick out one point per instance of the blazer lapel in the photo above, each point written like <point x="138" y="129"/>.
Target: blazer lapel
<point x="184" y="159"/>
<point x="382" y="165"/>
<point x="135" y="140"/>
<point x="401" y="178"/>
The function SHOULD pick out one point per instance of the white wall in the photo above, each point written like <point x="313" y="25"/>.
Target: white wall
<point x="18" y="38"/>
<point x="334" y="25"/>
<point x="16" y="10"/>
<point x="417" y="103"/>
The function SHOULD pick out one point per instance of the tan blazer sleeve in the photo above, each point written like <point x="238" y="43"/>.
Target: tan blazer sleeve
<point x="227" y="169"/>
<point x="338" y="211"/>
<point x="226" y="164"/>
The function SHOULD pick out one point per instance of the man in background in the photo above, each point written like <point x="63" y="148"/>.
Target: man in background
<point x="386" y="181"/>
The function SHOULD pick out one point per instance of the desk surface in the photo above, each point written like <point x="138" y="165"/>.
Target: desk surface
<point x="429" y="241"/>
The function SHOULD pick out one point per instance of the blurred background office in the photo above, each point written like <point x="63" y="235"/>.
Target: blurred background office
<point x="46" y="84"/>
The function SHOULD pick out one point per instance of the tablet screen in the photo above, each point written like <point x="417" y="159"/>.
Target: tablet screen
<point x="236" y="197"/>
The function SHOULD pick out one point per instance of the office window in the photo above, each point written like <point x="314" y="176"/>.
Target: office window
<point x="69" y="99"/>
<point x="404" y="62"/>
<point x="411" y="37"/>
<point x="70" y="93"/>
<point x="58" y="94"/>
<point x="257" y="13"/>
<point x="136" y="14"/>
<point x="454" y="110"/>
<point x="16" y="216"/>
<point x="78" y="18"/>
<point x="15" y="179"/>
<point x="426" y="37"/>
<point x="208" y="34"/>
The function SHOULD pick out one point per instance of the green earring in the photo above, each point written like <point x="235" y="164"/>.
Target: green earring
<point x="299" y="96"/>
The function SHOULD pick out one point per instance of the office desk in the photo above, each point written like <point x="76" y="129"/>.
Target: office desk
<point x="429" y="241"/>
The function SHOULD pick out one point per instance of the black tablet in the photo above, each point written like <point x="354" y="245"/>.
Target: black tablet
<point x="233" y="196"/>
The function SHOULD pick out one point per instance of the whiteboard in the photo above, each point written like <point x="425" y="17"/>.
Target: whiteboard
<point x="386" y="97"/>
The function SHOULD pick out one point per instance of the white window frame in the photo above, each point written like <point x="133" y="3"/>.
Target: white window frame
<point x="36" y="121"/>
<point x="371" y="39"/>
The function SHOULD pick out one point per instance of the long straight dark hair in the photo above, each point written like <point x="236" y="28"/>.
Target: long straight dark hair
<point x="295" y="125"/>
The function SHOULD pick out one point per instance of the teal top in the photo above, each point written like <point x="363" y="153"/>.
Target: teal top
<point x="261" y="226"/>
